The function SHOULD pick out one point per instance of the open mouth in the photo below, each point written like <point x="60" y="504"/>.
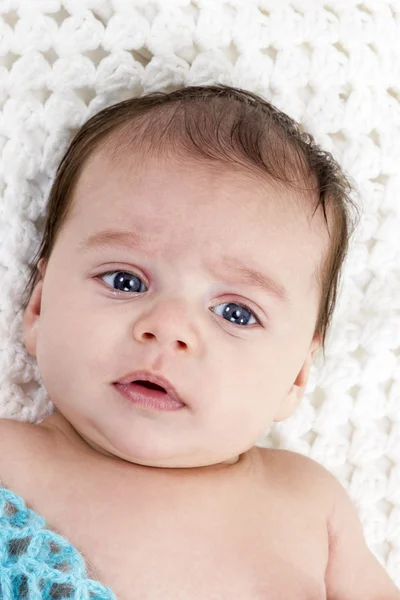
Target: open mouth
<point x="149" y="395"/>
<point x="149" y="384"/>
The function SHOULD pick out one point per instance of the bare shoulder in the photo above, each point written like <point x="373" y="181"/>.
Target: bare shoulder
<point x="16" y="431"/>
<point x="301" y="474"/>
<point x="352" y="570"/>
<point x="294" y="463"/>
<point x="19" y="441"/>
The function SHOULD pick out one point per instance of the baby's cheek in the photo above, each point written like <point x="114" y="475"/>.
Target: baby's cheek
<point x="59" y="348"/>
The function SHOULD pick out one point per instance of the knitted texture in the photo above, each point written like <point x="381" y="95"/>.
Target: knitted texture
<point x="35" y="562"/>
<point x="334" y="66"/>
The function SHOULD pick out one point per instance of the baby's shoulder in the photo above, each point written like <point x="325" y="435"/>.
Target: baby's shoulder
<point x="19" y="443"/>
<point x="18" y="432"/>
<point x="294" y="463"/>
<point x="299" y="474"/>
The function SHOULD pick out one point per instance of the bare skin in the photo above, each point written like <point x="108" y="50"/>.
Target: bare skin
<point x="234" y="531"/>
<point x="183" y="504"/>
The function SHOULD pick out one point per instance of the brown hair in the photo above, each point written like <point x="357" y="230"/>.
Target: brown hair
<point x="218" y="124"/>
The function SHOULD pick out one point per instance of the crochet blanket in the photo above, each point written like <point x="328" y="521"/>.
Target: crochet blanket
<point x="36" y="562"/>
<point x="334" y="66"/>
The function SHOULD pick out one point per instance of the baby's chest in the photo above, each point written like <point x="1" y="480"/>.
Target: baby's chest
<point x="181" y="550"/>
<point x="158" y="537"/>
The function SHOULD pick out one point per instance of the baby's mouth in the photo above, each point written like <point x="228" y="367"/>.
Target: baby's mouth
<point x="149" y="395"/>
<point x="152" y="382"/>
<point x="149" y="384"/>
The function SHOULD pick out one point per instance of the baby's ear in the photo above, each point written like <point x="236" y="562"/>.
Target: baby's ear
<point x="30" y="321"/>
<point x="292" y="400"/>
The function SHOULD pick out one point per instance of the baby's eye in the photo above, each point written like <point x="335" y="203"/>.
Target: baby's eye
<point x="123" y="281"/>
<point x="239" y="314"/>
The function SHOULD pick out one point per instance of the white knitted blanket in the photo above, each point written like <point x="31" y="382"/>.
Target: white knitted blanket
<point x="334" y="65"/>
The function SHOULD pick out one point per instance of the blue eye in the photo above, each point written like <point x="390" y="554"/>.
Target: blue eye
<point x="123" y="281"/>
<point x="238" y="314"/>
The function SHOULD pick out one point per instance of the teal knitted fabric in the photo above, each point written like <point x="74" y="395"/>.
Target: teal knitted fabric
<point x="38" y="564"/>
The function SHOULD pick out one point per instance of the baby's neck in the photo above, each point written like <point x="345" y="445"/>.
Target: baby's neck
<point x="57" y="422"/>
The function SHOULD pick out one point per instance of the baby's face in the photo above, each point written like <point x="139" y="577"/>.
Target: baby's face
<point x="236" y="372"/>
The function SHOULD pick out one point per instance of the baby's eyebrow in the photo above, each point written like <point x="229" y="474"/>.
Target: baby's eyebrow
<point x="244" y="274"/>
<point x="251" y="276"/>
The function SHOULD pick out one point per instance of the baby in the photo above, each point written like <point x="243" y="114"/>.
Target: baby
<point x="186" y="279"/>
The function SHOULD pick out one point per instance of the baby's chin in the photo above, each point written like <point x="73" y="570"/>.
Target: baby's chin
<point x="101" y="450"/>
<point x="78" y="437"/>
<point x="231" y="461"/>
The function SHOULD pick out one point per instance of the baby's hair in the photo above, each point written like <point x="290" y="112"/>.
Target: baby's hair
<point x="219" y="125"/>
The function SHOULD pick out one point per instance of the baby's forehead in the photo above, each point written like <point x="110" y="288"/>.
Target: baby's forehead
<point x="156" y="182"/>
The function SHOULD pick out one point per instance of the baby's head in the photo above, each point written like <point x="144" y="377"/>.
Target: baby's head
<point x="200" y="236"/>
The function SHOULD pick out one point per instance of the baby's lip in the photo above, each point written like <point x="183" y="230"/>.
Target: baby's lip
<point x="153" y="378"/>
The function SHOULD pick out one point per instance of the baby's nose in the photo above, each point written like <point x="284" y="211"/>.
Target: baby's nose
<point x="168" y="325"/>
